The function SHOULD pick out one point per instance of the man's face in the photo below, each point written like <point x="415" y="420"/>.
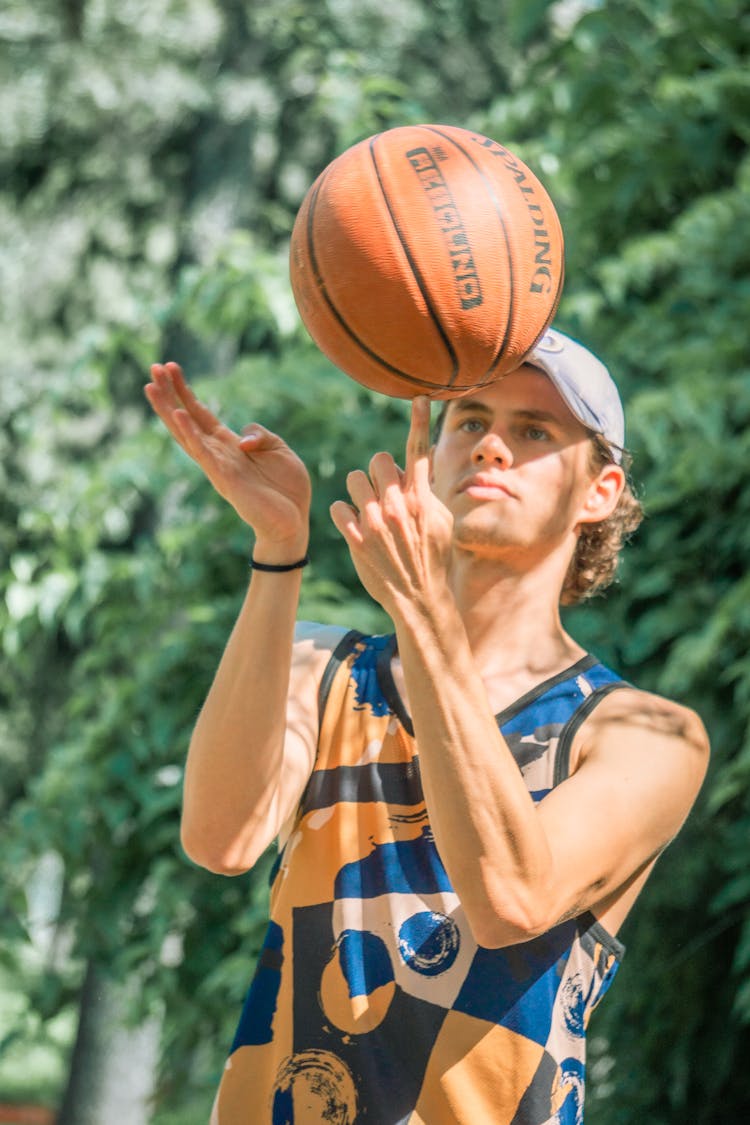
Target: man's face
<point x="512" y="465"/>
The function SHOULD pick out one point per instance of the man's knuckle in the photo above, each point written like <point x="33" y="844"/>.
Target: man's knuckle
<point x="392" y="503"/>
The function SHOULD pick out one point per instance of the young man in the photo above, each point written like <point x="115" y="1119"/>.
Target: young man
<point x="467" y="810"/>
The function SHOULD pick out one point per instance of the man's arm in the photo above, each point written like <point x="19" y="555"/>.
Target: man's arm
<point x="253" y="747"/>
<point x="254" y="743"/>
<point x="517" y="868"/>
<point x="520" y="869"/>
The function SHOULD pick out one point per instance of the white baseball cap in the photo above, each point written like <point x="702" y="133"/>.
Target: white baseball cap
<point x="585" y="384"/>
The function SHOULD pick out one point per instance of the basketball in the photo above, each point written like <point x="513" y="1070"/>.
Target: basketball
<point x="426" y="259"/>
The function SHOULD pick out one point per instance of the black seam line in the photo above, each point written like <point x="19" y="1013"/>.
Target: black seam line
<point x="582" y="665"/>
<point x="416" y="271"/>
<point x="337" y="315"/>
<point x="573" y="725"/>
<point x="337" y="657"/>
<point x="384" y="671"/>
<point x="496" y="202"/>
<point x="601" y="934"/>
<point x="558" y="294"/>
<point x="396" y="703"/>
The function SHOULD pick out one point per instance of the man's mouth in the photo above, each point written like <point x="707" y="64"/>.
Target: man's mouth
<point x="486" y="486"/>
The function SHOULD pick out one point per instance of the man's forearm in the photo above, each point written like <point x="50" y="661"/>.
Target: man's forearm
<point x="485" y="824"/>
<point x="236" y="752"/>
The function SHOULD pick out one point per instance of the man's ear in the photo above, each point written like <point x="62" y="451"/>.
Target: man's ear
<point x="602" y="495"/>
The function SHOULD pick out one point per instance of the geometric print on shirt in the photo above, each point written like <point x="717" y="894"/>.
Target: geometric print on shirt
<point x="372" y="1003"/>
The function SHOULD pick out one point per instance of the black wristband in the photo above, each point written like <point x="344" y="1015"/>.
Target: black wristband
<point x="279" y="568"/>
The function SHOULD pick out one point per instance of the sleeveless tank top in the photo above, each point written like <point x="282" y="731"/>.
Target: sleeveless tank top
<point x="372" y="1003"/>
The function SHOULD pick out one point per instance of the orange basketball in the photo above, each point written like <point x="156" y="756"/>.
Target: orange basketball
<point x="426" y="260"/>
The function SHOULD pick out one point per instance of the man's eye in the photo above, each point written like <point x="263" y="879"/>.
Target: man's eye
<point x="472" y="425"/>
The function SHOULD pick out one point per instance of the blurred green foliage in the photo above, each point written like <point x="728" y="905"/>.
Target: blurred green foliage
<point x="152" y="160"/>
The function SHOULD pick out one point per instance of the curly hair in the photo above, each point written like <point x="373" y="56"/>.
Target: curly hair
<point x="594" y="563"/>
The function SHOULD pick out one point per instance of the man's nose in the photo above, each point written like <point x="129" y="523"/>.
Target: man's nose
<point x="491" y="449"/>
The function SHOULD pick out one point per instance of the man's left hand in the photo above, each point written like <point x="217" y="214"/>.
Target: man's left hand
<point x="398" y="532"/>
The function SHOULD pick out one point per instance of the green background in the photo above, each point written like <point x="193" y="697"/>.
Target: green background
<point x="152" y="158"/>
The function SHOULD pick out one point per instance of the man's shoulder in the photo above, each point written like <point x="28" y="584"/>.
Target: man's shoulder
<point x="314" y="645"/>
<point x="636" y="703"/>
<point x="318" y="635"/>
<point x="634" y="713"/>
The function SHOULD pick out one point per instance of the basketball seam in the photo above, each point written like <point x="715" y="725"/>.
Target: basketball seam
<point x="416" y="272"/>
<point x="496" y="202"/>
<point x="554" y="307"/>
<point x="320" y="282"/>
<point x="499" y="353"/>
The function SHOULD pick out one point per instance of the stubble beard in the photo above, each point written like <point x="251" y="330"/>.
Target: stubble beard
<point x="481" y="537"/>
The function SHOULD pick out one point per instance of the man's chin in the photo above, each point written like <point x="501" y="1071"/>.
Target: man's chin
<point x="475" y="536"/>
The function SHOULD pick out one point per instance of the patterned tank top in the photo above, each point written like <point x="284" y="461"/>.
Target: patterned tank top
<point x="372" y="1003"/>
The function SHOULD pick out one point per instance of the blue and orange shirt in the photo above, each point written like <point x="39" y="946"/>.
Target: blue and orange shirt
<point x="372" y="1003"/>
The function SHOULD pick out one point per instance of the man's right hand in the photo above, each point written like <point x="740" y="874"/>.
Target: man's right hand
<point x="256" y="472"/>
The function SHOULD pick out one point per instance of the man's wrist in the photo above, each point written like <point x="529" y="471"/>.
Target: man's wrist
<point x="429" y="613"/>
<point x="279" y="568"/>
<point x="282" y="553"/>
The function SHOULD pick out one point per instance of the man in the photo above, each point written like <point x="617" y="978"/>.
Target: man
<point x="466" y="810"/>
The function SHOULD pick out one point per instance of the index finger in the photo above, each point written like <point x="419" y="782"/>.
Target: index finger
<point x="418" y="442"/>
<point x="189" y="401"/>
<point x="173" y="400"/>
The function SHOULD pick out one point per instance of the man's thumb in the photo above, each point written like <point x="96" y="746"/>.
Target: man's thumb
<point x="256" y="438"/>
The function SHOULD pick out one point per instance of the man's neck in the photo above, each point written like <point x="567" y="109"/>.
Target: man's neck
<point x="512" y="616"/>
<point x="512" y="621"/>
